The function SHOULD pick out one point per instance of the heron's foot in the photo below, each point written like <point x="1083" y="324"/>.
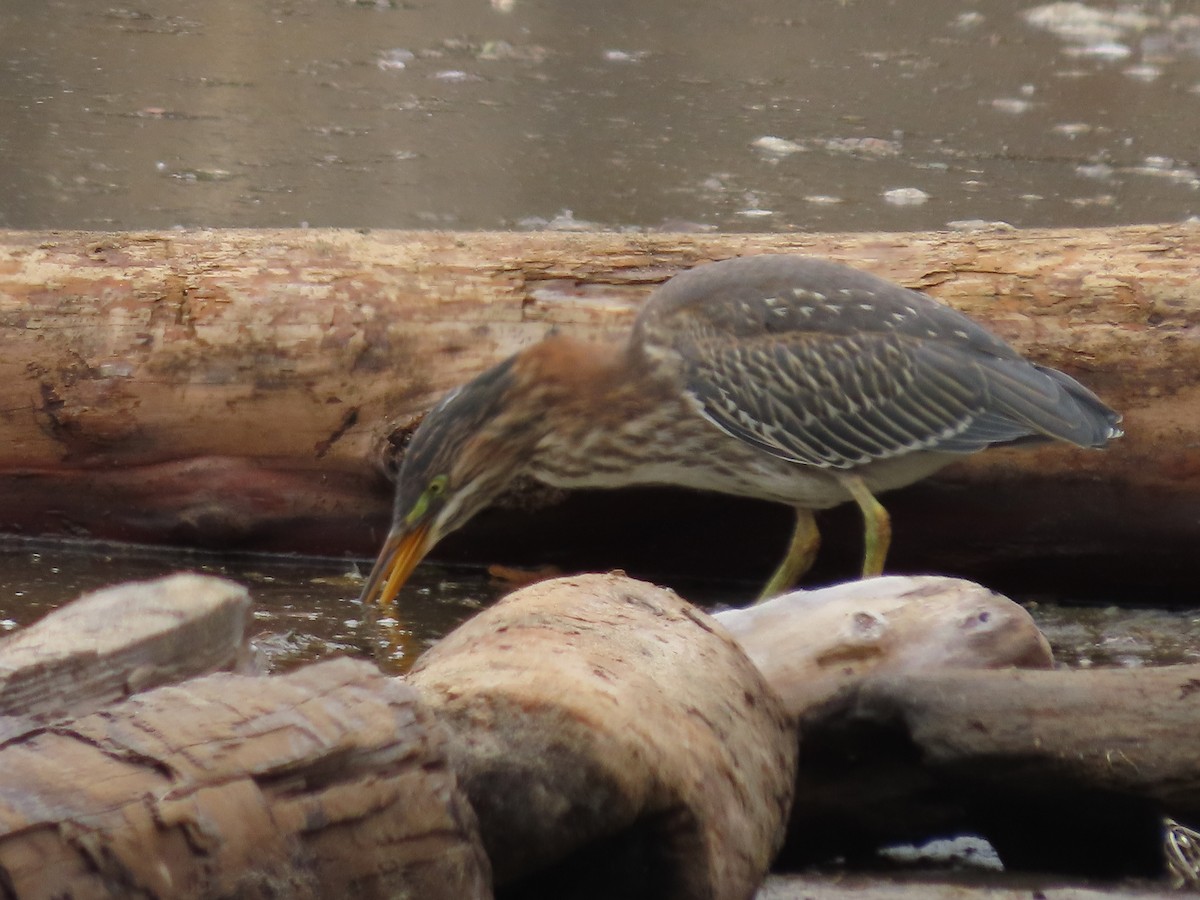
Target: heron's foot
<point x="877" y="531"/>
<point x="801" y="553"/>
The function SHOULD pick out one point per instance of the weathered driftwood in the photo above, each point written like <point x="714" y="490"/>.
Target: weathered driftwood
<point x="237" y="386"/>
<point x="1068" y="771"/>
<point x="328" y="782"/>
<point x="614" y="743"/>
<point x="810" y="645"/>
<point x="113" y="643"/>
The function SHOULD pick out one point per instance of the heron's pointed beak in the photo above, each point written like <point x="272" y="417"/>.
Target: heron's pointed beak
<point x="402" y="550"/>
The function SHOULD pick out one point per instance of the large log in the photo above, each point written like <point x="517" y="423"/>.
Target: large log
<point x="238" y="386"/>
<point x="614" y="742"/>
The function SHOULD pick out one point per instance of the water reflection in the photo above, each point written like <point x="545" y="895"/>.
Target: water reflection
<point x="303" y="608"/>
<point x="464" y="114"/>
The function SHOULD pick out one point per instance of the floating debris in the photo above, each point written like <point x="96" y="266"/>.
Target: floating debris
<point x="503" y="50"/>
<point x="1086" y="25"/>
<point x="1182" y="847"/>
<point x="908" y="196"/>
<point x="867" y="146"/>
<point x="776" y="146"/>
<point x="1099" y="171"/>
<point x="1098" y="200"/>
<point x="566" y="221"/>
<point x="1145" y="73"/>
<point x="395" y="59"/>
<point x="202" y="175"/>
<point x="625" y="56"/>
<point x="1106" y="50"/>
<point x="455" y="76"/>
<point x="1164" y="167"/>
<point x="1014" y="105"/>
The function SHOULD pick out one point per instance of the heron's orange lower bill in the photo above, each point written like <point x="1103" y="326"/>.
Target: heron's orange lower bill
<point x="401" y="552"/>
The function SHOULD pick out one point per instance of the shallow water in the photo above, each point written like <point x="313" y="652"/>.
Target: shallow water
<point x="306" y="608"/>
<point x="303" y="608"/>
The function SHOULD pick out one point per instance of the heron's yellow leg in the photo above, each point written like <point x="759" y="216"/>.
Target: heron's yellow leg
<point x="878" y="530"/>
<point x="801" y="552"/>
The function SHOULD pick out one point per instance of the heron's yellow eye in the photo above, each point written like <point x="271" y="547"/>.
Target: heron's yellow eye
<point x="435" y="488"/>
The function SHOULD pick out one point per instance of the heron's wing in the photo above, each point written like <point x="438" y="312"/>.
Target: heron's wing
<point x="832" y="367"/>
<point x="835" y="402"/>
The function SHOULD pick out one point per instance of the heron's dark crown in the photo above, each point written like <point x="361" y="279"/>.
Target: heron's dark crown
<point x="444" y="436"/>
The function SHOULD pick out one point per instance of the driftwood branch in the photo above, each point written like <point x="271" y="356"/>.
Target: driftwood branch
<point x="915" y="723"/>
<point x="234" y="386"/>
<point x="1067" y="771"/>
<point x="813" y="645"/>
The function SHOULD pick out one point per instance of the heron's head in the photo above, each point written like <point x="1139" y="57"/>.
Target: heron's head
<point x="463" y="454"/>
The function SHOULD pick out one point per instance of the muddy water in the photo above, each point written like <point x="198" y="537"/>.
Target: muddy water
<point x="303" y="608"/>
<point x="467" y="114"/>
<point x="307" y="608"/>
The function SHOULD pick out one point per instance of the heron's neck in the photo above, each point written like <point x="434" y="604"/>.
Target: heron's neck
<point x="605" y="409"/>
<point x="579" y="385"/>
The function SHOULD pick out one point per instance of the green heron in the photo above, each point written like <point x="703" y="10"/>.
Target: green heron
<point x="779" y="377"/>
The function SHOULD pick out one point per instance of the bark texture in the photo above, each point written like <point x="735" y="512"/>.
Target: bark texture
<point x="248" y="386"/>
<point x="328" y="782"/>
<point x="597" y="735"/>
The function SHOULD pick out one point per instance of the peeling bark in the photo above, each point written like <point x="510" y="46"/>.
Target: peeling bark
<point x="331" y="781"/>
